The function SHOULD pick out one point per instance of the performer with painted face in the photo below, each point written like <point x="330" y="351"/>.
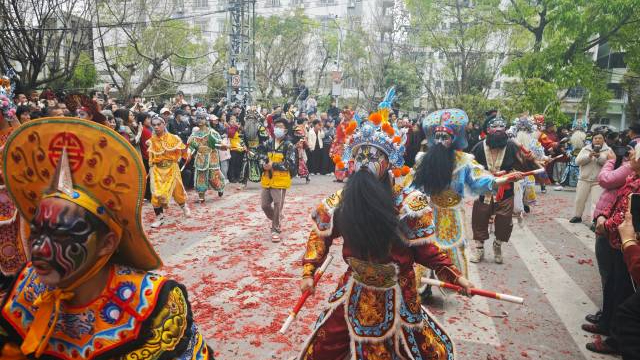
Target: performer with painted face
<point x="444" y="173"/>
<point x="87" y="293"/>
<point x="204" y="143"/>
<point x="165" y="150"/>
<point x="497" y="154"/>
<point x="375" y="313"/>
<point x="526" y="135"/>
<point x="255" y="134"/>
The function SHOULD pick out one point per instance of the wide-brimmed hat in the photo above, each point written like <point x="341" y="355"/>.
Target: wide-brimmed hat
<point x="85" y="163"/>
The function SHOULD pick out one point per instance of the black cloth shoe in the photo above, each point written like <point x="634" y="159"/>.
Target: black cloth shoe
<point x="594" y="318"/>
<point x="575" y="220"/>
<point x="594" y="329"/>
<point x="603" y="347"/>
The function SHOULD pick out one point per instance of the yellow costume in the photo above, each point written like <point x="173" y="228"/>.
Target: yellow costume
<point x="138" y="314"/>
<point x="164" y="153"/>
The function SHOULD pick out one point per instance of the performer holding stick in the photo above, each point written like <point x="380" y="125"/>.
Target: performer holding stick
<point x="479" y="292"/>
<point x="375" y="313"/>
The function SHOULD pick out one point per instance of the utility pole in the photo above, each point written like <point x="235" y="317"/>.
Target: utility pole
<point x="241" y="52"/>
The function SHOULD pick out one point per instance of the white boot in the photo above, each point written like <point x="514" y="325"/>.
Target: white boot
<point x="186" y="211"/>
<point x="159" y="221"/>
<point x="497" y="251"/>
<point x="477" y="254"/>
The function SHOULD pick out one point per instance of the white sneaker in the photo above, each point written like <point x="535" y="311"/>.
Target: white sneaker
<point x="159" y="221"/>
<point x="558" y="188"/>
<point x="186" y="211"/>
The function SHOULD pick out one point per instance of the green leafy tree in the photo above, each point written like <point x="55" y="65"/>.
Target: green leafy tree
<point x="281" y="46"/>
<point x="144" y="45"/>
<point x="85" y="75"/>
<point x="560" y="35"/>
<point x="457" y="53"/>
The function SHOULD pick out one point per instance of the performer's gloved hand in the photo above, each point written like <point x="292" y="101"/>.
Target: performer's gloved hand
<point x="307" y="284"/>
<point x="466" y="285"/>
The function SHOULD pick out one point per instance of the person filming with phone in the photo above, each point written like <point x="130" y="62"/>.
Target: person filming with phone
<point x="618" y="286"/>
<point x="590" y="160"/>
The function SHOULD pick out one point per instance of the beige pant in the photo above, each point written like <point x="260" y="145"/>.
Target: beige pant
<point x="587" y="193"/>
<point x="272" y="202"/>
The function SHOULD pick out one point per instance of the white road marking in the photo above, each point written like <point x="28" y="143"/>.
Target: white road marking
<point x="469" y="325"/>
<point x="565" y="296"/>
<point x="583" y="233"/>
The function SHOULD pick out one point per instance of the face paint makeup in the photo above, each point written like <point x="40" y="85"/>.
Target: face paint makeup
<point x="62" y="241"/>
<point x="373" y="159"/>
<point x="443" y="138"/>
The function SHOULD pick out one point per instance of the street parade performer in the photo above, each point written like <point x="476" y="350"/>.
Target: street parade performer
<point x="255" y="134"/>
<point x="12" y="226"/>
<point x="526" y="135"/>
<point x="204" y="142"/>
<point x="500" y="155"/>
<point x="337" y="146"/>
<point x="375" y="313"/>
<point x="277" y="159"/>
<point x="87" y="293"/>
<point x="443" y="174"/>
<point x="165" y="150"/>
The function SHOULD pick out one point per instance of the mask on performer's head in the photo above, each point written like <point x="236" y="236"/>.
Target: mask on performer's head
<point x="65" y="241"/>
<point x="372" y="159"/>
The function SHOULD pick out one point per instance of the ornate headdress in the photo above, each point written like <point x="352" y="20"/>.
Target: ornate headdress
<point x="538" y="119"/>
<point x="580" y="124"/>
<point x="451" y="121"/>
<point x="7" y="87"/>
<point x="524" y="123"/>
<point x="83" y="102"/>
<point x="89" y="165"/>
<point x="379" y="135"/>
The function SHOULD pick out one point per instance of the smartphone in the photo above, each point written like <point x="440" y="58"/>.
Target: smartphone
<point x="635" y="211"/>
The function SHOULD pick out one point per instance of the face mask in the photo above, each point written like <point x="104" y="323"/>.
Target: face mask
<point x="372" y="159"/>
<point x="279" y="133"/>
<point x="122" y="127"/>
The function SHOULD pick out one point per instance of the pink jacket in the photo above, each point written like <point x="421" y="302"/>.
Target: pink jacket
<point x="611" y="180"/>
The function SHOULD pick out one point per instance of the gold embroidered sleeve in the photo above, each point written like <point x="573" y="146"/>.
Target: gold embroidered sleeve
<point x="168" y="328"/>
<point x="317" y="249"/>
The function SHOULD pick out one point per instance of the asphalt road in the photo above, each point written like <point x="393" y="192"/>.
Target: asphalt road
<point x="241" y="286"/>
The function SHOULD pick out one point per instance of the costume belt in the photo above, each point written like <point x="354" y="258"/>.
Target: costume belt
<point x="164" y="163"/>
<point x="204" y="149"/>
<point x="373" y="274"/>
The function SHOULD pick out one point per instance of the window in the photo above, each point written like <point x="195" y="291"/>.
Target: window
<point x="200" y="25"/>
<point x="201" y="4"/>
<point x="497" y="85"/>
<point x="273" y="3"/>
<point x="576" y="92"/>
<point x="327" y="2"/>
<point x="605" y="121"/>
<point x="441" y="55"/>
<point x="616" y="89"/>
<point x="296" y="2"/>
